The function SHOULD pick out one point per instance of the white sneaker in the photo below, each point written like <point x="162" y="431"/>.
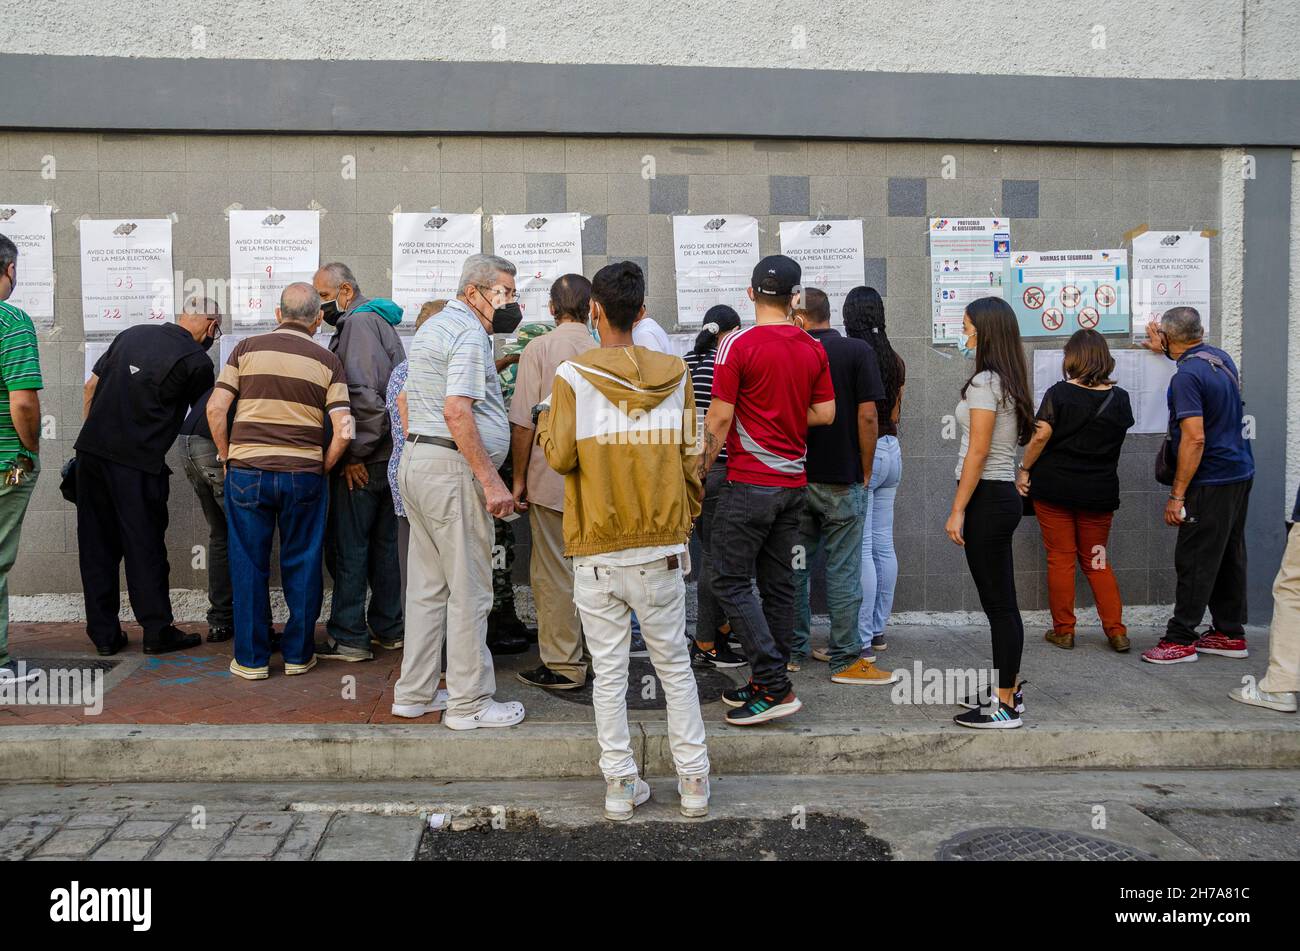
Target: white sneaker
<point x="11" y="673"/>
<point x="1282" y="701"/>
<point x="413" y="710"/>
<point x="494" y="714"/>
<point x="694" y="791"/>
<point x="623" y="795"/>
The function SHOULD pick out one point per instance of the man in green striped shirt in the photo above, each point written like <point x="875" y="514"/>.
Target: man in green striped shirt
<point x="20" y="433"/>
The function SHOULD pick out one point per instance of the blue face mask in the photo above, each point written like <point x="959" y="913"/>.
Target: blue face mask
<point x="964" y="350"/>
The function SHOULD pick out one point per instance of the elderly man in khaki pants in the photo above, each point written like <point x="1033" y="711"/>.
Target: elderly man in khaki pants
<point x="540" y="489"/>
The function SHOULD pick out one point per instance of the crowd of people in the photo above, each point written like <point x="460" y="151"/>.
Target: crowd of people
<point x="401" y="476"/>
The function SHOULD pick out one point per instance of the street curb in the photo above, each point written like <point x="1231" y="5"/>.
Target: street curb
<point x="201" y="753"/>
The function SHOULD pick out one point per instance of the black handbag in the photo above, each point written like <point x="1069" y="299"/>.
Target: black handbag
<point x="68" y="480"/>
<point x="1166" y="466"/>
<point x="1029" y="502"/>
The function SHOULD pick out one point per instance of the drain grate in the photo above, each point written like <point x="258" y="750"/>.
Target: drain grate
<point x="1027" y="844"/>
<point x="645" y="692"/>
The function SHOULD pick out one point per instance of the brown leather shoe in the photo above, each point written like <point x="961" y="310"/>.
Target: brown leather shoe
<point x="1118" y="643"/>
<point x="1063" y="641"/>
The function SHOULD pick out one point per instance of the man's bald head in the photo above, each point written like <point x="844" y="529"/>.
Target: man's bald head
<point x="299" y="304"/>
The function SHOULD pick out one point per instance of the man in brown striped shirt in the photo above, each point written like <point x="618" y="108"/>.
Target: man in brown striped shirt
<point x="282" y="384"/>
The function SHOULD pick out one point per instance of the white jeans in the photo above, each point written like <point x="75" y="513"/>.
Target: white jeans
<point x="606" y="598"/>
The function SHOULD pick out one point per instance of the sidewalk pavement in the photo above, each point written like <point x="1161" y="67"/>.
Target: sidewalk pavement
<point x="1088" y="707"/>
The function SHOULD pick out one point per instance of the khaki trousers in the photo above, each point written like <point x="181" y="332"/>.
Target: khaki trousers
<point x="559" y="632"/>
<point x="1284" y="633"/>
<point x="449" y="581"/>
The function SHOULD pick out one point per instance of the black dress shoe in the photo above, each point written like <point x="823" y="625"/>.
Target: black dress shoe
<point x="217" y="634"/>
<point x="113" y="648"/>
<point x="503" y="644"/>
<point x="172" y="639"/>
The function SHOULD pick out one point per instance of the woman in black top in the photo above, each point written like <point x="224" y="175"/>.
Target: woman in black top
<point x="1074" y="484"/>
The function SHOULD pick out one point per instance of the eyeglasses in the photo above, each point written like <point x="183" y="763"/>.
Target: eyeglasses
<point x="510" y="293"/>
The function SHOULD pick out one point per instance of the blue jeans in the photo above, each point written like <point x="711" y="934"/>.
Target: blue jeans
<point x="256" y="501"/>
<point x="361" y="551"/>
<point x="879" y="561"/>
<point x="833" y="519"/>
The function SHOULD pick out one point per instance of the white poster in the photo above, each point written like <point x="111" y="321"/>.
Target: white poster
<point x="1143" y="374"/>
<point x="831" y="255"/>
<point x="542" y="248"/>
<point x="269" y="250"/>
<point x="1170" y="269"/>
<point x="31" y="228"/>
<point x="126" y="273"/>
<point x="429" y="251"/>
<point x="94" y="350"/>
<point x="715" y="257"/>
<point x="968" y="259"/>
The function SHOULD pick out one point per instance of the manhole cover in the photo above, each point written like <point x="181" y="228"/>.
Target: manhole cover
<point x="645" y="692"/>
<point x="70" y="663"/>
<point x="1025" y="844"/>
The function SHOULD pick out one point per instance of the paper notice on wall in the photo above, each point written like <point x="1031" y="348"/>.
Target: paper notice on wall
<point x="269" y="250"/>
<point x="126" y="273"/>
<point x="968" y="258"/>
<point x="31" y="228"/>
<point x="831" y="255"/>
<point x="1055" y="293"/>
<point x="94" y="350"/>
<point x="429" y="252"/>
<point x="1170" y="269"/>
<point x="542" y="248"/>
<point x="1143" y="374"/>
<point x="715" y="257"/>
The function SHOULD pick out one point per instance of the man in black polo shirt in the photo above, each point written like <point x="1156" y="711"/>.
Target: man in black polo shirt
<point x="135" y="401"/>
<point x="839" y="467"/>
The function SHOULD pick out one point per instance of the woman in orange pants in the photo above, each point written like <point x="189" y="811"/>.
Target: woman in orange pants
<point x="1070" y="471"/>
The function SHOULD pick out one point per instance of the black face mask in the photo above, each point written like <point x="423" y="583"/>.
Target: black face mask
<point x="330" y="311"/>
<point x="506" y="319"/>
<point x="207" y="342"/>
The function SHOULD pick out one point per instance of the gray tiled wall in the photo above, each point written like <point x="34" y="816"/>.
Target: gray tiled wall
<point x="1056" y="197"/>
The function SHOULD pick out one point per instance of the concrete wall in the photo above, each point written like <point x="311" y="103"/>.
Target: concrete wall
<point x="1190" y="39"/>
<point x="1063" y="198"/>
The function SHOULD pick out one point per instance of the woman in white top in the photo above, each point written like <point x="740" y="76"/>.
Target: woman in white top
<point x="996" y="413"/>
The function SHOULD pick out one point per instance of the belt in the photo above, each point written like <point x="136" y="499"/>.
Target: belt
<point x="433" y="441"/>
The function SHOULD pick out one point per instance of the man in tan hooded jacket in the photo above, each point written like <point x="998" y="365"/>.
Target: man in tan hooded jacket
<point x="620" y="427"/>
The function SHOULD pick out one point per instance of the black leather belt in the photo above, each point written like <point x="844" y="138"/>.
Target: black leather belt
<point x="433" y="441"/>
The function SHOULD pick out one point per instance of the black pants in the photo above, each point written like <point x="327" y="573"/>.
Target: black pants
<point x="754" y="534"/>
<point x="992" y="515"/>
<point x="122" y="514"/>
<point x="1210" y="560"/>
<point x="361" y="551"/>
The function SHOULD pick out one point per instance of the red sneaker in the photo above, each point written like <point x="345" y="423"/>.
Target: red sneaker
<point x="1167" y="652"/>
<point x="1225" y="645"/>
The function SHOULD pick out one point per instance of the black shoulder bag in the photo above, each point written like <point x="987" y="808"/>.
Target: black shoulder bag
<point x="1166" y="462"/>
<point x="1029" y="502"/>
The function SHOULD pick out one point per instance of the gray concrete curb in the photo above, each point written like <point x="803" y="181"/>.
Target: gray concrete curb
<point x="121" y="753"/>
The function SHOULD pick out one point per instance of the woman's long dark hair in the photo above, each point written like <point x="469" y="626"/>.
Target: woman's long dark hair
<point x="864" y="318"/>
<point x="724" y="318"/>
<point x="998" y="350"/>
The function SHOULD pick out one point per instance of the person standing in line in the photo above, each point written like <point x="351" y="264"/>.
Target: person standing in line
<point x="996" y="414"/>
<point x="1213" y="469"/>
<point x="839" y="463"/>
<point x="539" y="490"/>
<point x="647" y="332"/>
<point x="864" y="319"/>
<point x="712" y="645"/>
<point x="133" y="406"/>
<point x="1070" y="470"/>
<point x="285" y="385"/>
<point x="620" y="428"/>
<point x="771" y="382"/>
<point x="20" y="438"/>
<point x="457" y="438"/>
<point x="1280" y="685"/>
<point x="361" y="544"/>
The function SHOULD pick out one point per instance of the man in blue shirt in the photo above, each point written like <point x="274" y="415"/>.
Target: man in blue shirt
<point x="1208" y="498"/>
